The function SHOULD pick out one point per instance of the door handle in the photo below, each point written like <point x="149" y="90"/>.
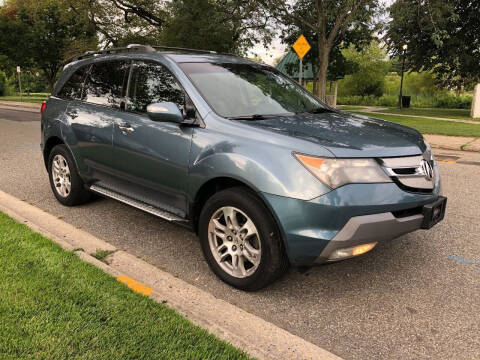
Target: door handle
<point x="126" y="128"/>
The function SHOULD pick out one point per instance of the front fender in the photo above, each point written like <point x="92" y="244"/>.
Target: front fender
<point x="264" y="167"/>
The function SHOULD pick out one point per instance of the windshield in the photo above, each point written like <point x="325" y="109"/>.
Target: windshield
<point x="248" y="90"/>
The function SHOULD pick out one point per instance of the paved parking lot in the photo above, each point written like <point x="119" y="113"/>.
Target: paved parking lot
<point x="417" y="297"/>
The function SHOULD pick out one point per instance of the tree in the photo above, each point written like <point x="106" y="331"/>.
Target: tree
<point x="43" y="35"/>
<point x="119" y="23"/>
<point x="338" y="65"/>
<point x="442" y="36"/>
<point x="371" y="68"/>
<point x="221" y="25"/>
<point x="329" y="24"/>
<point x="202" y="24"/>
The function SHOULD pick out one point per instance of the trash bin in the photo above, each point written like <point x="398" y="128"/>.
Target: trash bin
<point x="406" y="101"/>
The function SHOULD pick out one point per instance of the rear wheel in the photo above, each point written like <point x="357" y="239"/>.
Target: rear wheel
<point x="240" y="239"/>
<point x="66" y="184"/>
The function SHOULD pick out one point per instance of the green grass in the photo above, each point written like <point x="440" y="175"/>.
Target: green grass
<point x="462" y="114"/>
<point x="54" y="306"/>
<point x="350" y="107"/>
<point x="431" y="126"/>
<point x="33" y="98"/>
<point x="102" y="254"/>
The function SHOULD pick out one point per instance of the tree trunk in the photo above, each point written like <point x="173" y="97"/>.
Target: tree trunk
<point x="323" y="53"/>
<point x="51" y="85"/>
<point x="50" y="76"/>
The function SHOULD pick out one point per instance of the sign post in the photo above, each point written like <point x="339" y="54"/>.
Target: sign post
<point x="19" y="82"/>
<point x="301" y="47"/>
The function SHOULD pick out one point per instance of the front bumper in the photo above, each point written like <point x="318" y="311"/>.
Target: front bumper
<point x="350" y="215"/>
<point x="369" y="229"/>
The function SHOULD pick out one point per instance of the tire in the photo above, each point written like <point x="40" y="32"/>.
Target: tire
<point x="77" y="193"/>
<point x="260" y="258"/>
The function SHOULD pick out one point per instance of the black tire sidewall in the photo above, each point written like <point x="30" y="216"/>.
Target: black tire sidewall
<point x="244" y="200"/>
<point x="78" y="193"/>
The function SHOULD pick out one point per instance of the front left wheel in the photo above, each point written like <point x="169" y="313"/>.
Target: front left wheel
<point x="240" y="240"/>
<point x="66" y="184"/>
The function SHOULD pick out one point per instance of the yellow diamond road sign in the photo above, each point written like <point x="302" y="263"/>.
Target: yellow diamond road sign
<point x="301" y="46"/>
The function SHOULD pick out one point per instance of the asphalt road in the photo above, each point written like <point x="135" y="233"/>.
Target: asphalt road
<point x="417" y="297"/>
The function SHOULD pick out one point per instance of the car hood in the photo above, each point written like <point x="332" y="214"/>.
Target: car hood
<point x="347" y="135"/>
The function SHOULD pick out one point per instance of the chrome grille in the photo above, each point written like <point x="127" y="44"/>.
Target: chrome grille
<point x="413" y="172"/>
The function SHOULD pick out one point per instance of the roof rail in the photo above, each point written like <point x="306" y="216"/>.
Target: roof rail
<point x="160" y="47"/>
<point x="130" y="47"/>
<point x="138" y="47"/>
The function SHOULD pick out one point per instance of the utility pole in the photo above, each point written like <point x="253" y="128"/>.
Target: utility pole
<point x="400" y="98"/>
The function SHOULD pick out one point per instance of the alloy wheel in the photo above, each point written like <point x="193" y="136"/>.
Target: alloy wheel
<point x="234" y="242"/>
<point x="61" y="176"/>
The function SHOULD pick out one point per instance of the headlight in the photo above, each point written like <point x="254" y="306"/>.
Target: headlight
<point x="337" y="172"/>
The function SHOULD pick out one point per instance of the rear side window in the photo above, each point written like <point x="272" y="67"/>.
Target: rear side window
<point x="150" y="83"/>
<point x="106" y="82"/>
<point x="72" y="89"/>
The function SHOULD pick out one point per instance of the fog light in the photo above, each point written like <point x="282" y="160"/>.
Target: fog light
<point x="351" y="251"/>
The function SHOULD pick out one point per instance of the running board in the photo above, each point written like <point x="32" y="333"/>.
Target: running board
<point x="137" y="204"/>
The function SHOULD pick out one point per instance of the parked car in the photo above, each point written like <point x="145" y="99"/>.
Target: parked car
<point x="266" y="174"/>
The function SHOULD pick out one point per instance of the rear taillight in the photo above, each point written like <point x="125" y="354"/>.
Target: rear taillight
<point x="44" y="105"/>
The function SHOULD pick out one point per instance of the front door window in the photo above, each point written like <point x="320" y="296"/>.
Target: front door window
<point x="150" y="83"/>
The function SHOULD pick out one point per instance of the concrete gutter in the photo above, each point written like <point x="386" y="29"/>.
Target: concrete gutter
<point x="246" y="331"/>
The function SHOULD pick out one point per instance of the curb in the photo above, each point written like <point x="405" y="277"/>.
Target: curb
<point x="246" y="331"/>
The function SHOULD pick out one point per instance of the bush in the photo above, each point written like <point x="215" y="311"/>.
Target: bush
<point x="414" y="84"/>
<point x="384" y="100"/>
<point x="441" y="100"/>
<point x="11" y="85"/>
<point x="451" y="101"/>
<point x="3" y="83"/>
<point x="369" y="76"/>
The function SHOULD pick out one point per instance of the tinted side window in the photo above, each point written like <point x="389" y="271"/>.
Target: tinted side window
<point x="151" y="83"/>
<point x="105" y="83"/>
<point x="72" y="89"/>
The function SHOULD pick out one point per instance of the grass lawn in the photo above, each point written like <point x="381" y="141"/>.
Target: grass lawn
<point x="54" y="306"/>
<point x="431" y="126"/>
<point x="33" y="98"/>
<point x="463" y="114"/>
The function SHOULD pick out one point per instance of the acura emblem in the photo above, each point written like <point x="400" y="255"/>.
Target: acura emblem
<point x="427" y="169"/>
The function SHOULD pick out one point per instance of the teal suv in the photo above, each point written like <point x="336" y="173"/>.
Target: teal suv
<point x="266" y="174"/>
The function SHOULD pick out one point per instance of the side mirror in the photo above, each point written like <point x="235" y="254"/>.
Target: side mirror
<point x="165" y="111"/>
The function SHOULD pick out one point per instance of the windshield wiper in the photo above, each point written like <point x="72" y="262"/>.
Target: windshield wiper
<point x="254" y="117"/>
<point x="319" y="110"/>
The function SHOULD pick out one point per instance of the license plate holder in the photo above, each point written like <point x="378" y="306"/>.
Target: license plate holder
<point x="434" y="213"/>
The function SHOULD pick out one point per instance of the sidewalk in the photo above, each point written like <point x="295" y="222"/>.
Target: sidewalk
<point x="22" y="106"/>
<point x="453" y="142"/>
